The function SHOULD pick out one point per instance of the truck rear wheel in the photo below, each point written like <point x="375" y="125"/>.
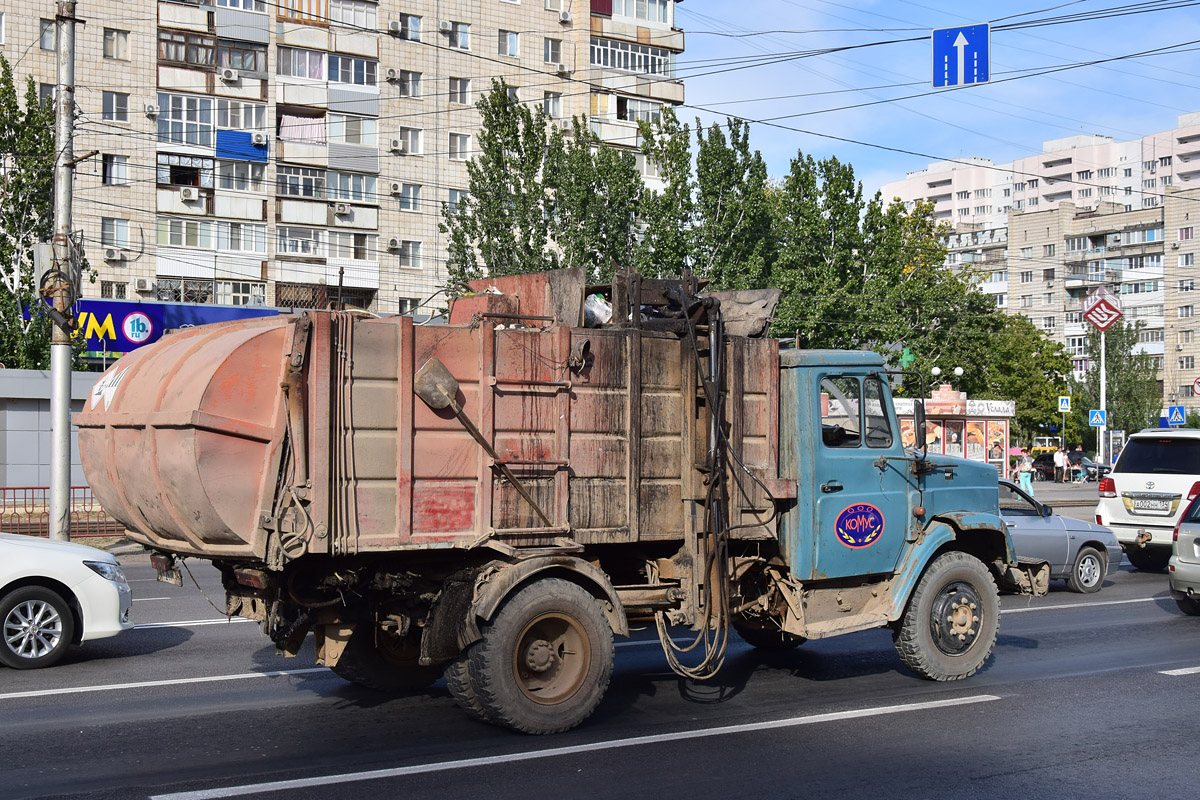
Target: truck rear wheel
<point x="382" y="666"/>
<point x="949" y="628"/>
<point x="458" y="681"/>
<point x="545" y="660"/>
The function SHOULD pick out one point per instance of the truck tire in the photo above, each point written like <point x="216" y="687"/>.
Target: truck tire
<point x="949" y="628"/>
<point x="369" y="665"/>
<point x="38" y="627"/>
<point x="545" y="660"/>
<point x="772" y="640"/>
<point x="458" y="681"/>
<point x="1148" y="559"/>
<point x="1087" y="573"/>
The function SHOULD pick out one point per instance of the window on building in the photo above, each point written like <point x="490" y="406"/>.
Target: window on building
<point x="1027" y="252"/>
<point x="353" y="245"/>
<point x="1187" y="362"/>
<point x="460" y="90"/>
<point x="243" y="56"/>
<point x="1001" y="300"/>
<point x="633" y="110"/>
<point x="116" y="44"/>
<point x="241" y="237"/>
<point x="115" y="106"/>
<point x="1165" y="180"/>
<point x="508" y="43"/>
<point x="1084" y="175"/>
<point x="302" y="242"/>
<point x="460" y="146"/>
<point x="46" y="92"/>
<point x="351" y="186"/>
<point x="1085" y="193"/>
<point x="1073" y="318"/>
<point x="241" y="176"/>
<point x="245" y="5"/>
<point x="649" y="10"/>
<point x="410" y="255"/>
<point x="1048" y="323"/>
<point x="454" y="199"/>
<point x="1048" y="274"/>
<point x="1033" y="201"/>
<point x="963" y="195"/>
<point x="552" y="104"/>
<point x="1020" y="187"/>
<point x="192" y="49"/>
<point x="185" y="233"/>
<point x="183" y="119"/>
<point x="353" y="13"/>
<point x="297" y="63"/>
<point x="1186" y="312"/>
<point x="1149" y="183"/>
<point x="1128" y="172"/>
<point x="409" y="198"/>
<point x="1076" y="244"/>
<point x="514" y="95"/>
<point x="114" y="232"/>
<point x="1165" y="161"/>
<point x="408" y="83"/>
<point x="1187" y="285"/>
<point x="552" y="51"/>
<point x="177" y="170"/>
<point x="460" y="35"/>
<point x="349" y="69"/>
<point x="312" y="10"/>
<point x="630" y="57"/>
<point x="1048" y="298"/>
<point x="47" y="36"/>
<point x="114" y="169"/>
<point x="1033" y="183"/>
<point x="183" y="290"/>
<point x="113" y="290"/>
<point x="300" y="182"/>
<point x="241" y="293"/>
<point x="410" y="139"/>
<point x="1154" y="234"/>
<point x="1076" y="345"/>
<point x="1150" y="335"/>
<point x="240" y="115"/>
<point x="1026" y="301"/>
<point x="1187" y="259"/>
<point x="1007" y="192"/>
<point x="352" y="130"/>
<point x="1186" y="234"/>
<point x="1186" y="336"/>
<point x="1027" y="276"/>
<point x="302" y="128"/>
<point x="410" y="27"/>
<point x="1048" y="251"/>
<point x="318" y="295"/>
<point x="1" y="27"/>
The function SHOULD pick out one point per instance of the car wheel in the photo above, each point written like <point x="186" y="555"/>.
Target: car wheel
<point x="1148" y="560"/>
<point x="1087" y="575"/>
<point x="1188" y="605"/>
<point x="38" y="627"/>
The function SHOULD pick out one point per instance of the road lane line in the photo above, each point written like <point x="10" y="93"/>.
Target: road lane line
<point x="145" y="599"/>
<point x="190" y="623"/>
<point x="1061" y="606"/>
<point x="554" y="752"/>
<point x="1178" y="672"/>
<point x="147" y="684"/>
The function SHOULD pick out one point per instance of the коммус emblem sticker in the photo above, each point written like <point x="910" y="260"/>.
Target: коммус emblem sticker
<point x="859" y="525"/>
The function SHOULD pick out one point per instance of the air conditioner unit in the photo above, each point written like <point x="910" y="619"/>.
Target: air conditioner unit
<point x="1174" y="245"/>
<point x="564" y="17"/>
<point x="114" y="254"/>
<point x="340" y="209"/>
<point x="565" y="124"/>
<point x="1178" y="347"/>
<point x="399" y="146"/>
<point x="152" y="110"/>
<point x="394" y="243"/>
<point x="563" y="69"/>
<point x="395" y="27"/>
<point x="259" y="138"/>
<point x="397" y="187"/>
<point x="229" y="75"/>
<point x="188" y="194"/>
<point x="445" y="26"/>
<point x="392" y="74"/>
<point x="145" y="285"/>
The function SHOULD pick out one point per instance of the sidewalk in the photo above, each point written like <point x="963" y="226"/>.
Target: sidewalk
<point x="1066" y="494"/>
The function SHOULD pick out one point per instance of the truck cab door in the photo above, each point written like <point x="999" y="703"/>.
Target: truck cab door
<point x="861" y="508"/>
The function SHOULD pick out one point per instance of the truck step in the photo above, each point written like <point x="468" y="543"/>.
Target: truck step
<point x="846" y="624"/>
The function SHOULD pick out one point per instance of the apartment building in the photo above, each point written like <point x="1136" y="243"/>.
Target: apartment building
<point x="254" y="153"/>
<point x="1084" y="170"/>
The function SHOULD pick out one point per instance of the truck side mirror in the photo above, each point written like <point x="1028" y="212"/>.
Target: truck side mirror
<point x="919" y="424"/>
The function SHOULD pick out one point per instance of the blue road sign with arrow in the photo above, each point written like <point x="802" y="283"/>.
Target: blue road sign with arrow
<point x="1096" y="417"/>
<point x="961" y="56"/>
<point x="1176" y="415"/>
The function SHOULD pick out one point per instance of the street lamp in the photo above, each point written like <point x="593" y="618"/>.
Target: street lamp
<point x="937" y="372"/>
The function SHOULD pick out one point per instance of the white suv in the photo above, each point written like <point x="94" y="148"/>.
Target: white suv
<point x="1152" y="484"/>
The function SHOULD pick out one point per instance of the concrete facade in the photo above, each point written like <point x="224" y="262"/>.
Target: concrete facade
<point x="25" y="426"/>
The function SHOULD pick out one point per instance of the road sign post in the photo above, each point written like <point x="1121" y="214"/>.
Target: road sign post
<point x="1102" y="309"/>
<point x="961" y="55"/>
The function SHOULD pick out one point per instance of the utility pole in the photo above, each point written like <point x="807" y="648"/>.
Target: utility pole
<point x="1100" y="448"/>
<point x="62" y="290"/>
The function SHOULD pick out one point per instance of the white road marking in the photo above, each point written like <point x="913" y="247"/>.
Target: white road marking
<point x="146" y="684"/>
<point x="141" y="580"/>
<point x="554" y="752"/>
<point x="1061" y="606"/>
<point x="1178" y="672"/>
<point x="146" y="599"/>
<point x="190" y="623"/>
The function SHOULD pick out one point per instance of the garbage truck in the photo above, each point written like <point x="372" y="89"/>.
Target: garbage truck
<point x="496" y="498"/>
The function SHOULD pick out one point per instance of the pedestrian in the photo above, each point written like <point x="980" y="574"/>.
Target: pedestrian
<point x="1075" y="461"/>
<point x="1060" y="465"/>
<point x="1025" y="474"/>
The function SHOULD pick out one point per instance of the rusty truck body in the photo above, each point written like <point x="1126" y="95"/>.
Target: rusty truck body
<point x="496" y="498"/>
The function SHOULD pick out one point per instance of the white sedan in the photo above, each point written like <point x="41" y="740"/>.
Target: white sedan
<point x="54" y="594"/>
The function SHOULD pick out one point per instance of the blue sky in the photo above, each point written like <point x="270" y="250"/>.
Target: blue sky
<point x="1123" y="99"/>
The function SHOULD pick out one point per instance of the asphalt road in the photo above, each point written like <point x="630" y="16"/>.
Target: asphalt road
<point x="1085" y="696"/>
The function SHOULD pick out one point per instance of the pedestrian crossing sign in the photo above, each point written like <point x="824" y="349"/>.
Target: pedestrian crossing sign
<point x="1064" y="404"/>
<point x="1175" y="415"/>
<point x="1096" y="417"/>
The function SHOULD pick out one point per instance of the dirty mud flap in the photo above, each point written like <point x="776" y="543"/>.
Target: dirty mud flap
<point x="166" y="569"/>
<point x="1028" y="576"/>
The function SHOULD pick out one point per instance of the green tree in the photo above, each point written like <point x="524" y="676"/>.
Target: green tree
<point x="1133" y="396"/>
<point x="26" y="218"/>
<point x="1024" y="365"/>
<point x="668" y="215"/>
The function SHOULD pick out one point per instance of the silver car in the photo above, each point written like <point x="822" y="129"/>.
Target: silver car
<point x="1082" y="553"/>
<point x="1184" y="566"/>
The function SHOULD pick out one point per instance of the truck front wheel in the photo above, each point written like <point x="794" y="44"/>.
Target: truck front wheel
<point x="949" y="627"/>
<point x="545" y="660"/>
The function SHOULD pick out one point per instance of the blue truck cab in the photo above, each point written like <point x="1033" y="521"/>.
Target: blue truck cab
<point x="883" y="535"/>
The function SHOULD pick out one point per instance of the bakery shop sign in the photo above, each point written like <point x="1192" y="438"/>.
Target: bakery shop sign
<point x="957" y="426"/>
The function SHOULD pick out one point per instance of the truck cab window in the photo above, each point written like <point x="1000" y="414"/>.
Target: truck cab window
<point x="879" y="426"/>
<point x="840" y="407"/>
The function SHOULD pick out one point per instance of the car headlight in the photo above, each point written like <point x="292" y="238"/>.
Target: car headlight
<point x="106" y="570"/>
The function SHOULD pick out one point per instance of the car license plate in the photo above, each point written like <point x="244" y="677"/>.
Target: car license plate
<point x="1151" y="504"/>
